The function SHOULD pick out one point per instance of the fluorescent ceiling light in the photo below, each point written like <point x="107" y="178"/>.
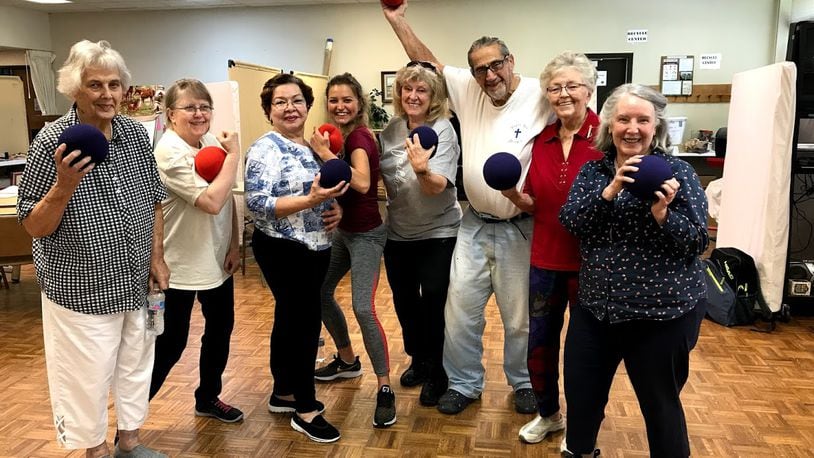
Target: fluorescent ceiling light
<point x="50" y="2"/>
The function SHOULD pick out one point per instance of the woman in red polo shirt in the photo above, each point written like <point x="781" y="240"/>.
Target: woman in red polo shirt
<point x="558" y="153"/>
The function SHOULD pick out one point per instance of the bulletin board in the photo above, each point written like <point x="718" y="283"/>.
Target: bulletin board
<point x="676" y="75"/>
<point x="13" y="121"/>
<point x="250" y="79"/>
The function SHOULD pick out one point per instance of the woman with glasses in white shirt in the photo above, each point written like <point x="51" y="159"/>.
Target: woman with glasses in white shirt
<point x="200" y="244"/>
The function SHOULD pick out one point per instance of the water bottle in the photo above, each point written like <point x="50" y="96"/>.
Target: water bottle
<point x="320" y="351"/>
<point x="155" y="312"/>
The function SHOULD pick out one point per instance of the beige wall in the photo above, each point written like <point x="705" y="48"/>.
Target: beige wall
<point x="163" y="46"/>
<point x="25" y="29"/>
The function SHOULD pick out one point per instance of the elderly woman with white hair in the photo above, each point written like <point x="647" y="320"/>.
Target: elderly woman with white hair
<point x="556" y="157"/>
<point x="98" y="232"/>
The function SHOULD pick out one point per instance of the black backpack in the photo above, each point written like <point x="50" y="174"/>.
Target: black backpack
<point x="738" y="270"/>
<point x="720" y="297"/>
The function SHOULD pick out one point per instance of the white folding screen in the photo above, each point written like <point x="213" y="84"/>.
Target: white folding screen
<point x="754" y="213"/>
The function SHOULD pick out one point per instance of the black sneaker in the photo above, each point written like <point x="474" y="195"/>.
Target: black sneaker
<point x="220" y="410"/>
<point x="453" y="402"/>
<point x="385" y="414"/>
<point x="415" y="375"/>
<point x="596" y="453"/>
<point x="525" y="401"/>
<point x="338" y="369"/>
<point x="432" y="391"/>
<point x="277" y="405"/>
<point x="318" y="430"/>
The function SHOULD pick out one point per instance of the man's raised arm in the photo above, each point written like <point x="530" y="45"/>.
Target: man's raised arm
<point x="414" y="47"/>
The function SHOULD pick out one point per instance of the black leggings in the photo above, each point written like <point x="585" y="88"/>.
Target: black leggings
<point x="418" y="274"/>
<point x="656" y="356"/>
<point x="218" y="308"/>
<point x="294" y="274"/>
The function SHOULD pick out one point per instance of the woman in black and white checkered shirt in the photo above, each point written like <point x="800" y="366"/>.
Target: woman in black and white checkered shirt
<point x="98" y="233"/>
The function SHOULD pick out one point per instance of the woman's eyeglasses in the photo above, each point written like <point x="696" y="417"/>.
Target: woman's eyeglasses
<point x="421" y="63"/>
<point x="570" y="88"/>
<point x="282" y="104"/>
<point x="191" y="109"/>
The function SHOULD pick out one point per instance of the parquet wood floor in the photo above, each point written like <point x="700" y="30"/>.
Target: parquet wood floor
<point x="749" y="394"/>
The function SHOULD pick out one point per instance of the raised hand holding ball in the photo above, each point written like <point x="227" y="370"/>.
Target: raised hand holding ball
<point x="427" y="137"/>
<point x="653" y="172"/>
<point x="334" y="137"/>
<point x="502" y="171"/>
<point x="89" y="140"/>
<point x="209" y="161"/>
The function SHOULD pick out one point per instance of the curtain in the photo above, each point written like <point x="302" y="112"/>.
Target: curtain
<point x="42" y="75"/>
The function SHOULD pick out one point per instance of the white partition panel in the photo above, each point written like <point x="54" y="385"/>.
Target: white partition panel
<point x="754" y="213"/>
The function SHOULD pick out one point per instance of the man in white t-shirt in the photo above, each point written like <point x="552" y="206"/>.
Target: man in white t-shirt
<point x="498" y="111"/>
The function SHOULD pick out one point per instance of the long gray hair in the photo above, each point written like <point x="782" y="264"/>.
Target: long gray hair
<point x="604" y="138"/>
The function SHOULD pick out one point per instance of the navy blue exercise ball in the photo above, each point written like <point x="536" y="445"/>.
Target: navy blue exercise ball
<point x="87" y="139"/>
<point x="653" y="172"/>
<point x="332" y="172"/>
<point x="427" y="137"/>
<point x="502" y="171"/>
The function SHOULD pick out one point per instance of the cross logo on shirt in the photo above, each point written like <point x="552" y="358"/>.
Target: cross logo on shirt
<point x="517" y="133"/>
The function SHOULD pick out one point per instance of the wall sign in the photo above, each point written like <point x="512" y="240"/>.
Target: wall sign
<point x="709" y="62"/>
<point x="637" y="36"/>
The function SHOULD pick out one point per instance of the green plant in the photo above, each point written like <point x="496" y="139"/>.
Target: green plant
<point x="377" y="114"/>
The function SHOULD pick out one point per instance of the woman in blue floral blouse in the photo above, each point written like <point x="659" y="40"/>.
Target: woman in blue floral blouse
<point x="641" y="294"/>
<point x="293" y="216"/>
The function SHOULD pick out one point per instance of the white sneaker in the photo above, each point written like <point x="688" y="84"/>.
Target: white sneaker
<point x="536" y="430"/>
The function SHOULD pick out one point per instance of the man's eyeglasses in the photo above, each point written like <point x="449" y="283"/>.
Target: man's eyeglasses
<point x="421" y="63"/>
<point x="191" y="109"/>
<point x="569" y="88"/>
<point x="495" y="66"/>
<point x="282" y="104"/>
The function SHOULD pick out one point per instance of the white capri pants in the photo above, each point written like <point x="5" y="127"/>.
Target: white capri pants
<point x="87" y="355"/>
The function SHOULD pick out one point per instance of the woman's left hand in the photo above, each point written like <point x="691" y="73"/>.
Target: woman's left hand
<point x="159" y="274"/>
<point x="331" y="217"/>
<point x="419" y="157"/>
<point x="665" y="196"/>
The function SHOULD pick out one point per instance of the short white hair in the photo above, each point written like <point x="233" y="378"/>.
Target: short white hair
<point x="86" y="54"/>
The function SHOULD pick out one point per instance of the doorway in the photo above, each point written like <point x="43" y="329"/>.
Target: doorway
<point x="614" y="70"/>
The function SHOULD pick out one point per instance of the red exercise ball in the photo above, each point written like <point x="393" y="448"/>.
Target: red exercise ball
<point x="209" y="161"/>
<point x="392" y="3"/>
<point x="334" y="137"/>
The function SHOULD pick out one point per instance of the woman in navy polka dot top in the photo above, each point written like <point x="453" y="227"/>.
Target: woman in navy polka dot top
<point x="641" y="293"/>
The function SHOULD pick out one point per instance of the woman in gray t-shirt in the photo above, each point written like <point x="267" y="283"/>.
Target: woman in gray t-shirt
<point x="423" y="216"/>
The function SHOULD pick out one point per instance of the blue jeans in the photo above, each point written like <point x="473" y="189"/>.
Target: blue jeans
<point x="488" y="258"/>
